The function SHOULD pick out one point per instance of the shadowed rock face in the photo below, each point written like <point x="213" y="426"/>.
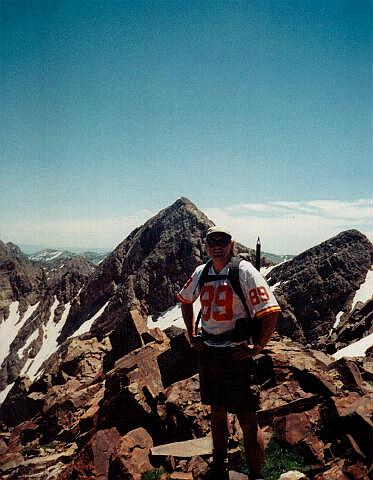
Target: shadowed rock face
<point x="19" y="278"/>
<point x="317" y="284"/>
<point x="156" y="257"/>
<point x="26" y="282"/>
<point x="354" y="325"/>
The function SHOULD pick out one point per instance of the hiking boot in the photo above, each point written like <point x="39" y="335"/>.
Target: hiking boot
<point x="218" y="469"/>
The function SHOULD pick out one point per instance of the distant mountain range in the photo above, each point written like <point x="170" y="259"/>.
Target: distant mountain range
<point x="50" y="254"/>
<point x="96" y="256"/>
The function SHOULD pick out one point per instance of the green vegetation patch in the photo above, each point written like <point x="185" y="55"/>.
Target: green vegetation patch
<point x="153" y="474"/>
<point x="278" y="460"/>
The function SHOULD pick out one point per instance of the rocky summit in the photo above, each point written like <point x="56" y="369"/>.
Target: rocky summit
<point x="92" y="388"/>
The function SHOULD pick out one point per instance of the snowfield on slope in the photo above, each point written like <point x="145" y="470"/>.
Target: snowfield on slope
<point x="172" y="316"/>
<point x="365" y="292"/>
<point x="11" y="326"/>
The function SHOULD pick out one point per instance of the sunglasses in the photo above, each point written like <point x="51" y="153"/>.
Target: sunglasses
<point x="217" y="242"/>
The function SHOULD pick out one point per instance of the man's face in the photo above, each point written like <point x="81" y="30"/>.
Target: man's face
<point x="219" y="247"/>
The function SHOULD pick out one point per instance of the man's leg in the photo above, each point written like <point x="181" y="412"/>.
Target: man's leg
<point x="253" y="442"/>
<point x="219" y="431"/>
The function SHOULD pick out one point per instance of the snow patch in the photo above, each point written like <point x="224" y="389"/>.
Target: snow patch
<point x="85" y="327"/>
<point x="11" y="326"/>
<point x="266" y="270"/>
<point x="47" y="255"/>
<point x="4" y="393"/>
<point x="26" y="366"/>
<point x="356" y="349"/>
<point x="337" y="319"/>
<point x="365" y="291"/>
<point x="172" y="317"/>
<point x="51" y="331"/>
<point x="277" y="284"/>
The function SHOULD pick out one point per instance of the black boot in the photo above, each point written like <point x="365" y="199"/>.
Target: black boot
<point x="218" y="469"/>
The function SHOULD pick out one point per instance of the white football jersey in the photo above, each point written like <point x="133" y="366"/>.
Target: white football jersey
<point x="220" y="305"/>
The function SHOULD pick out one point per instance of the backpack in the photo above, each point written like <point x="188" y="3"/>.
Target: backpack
<point x="249" y="328"/>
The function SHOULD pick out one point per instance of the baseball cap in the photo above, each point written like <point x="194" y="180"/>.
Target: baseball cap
<point x="217" y="229"/>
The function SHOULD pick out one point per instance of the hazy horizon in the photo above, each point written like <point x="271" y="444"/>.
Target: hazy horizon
<point x="258" y="111"/>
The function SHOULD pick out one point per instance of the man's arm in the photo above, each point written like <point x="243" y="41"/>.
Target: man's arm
<point x="268" y="322"/>
<point x="268" y="325"/>
<point x="188" y="317"/>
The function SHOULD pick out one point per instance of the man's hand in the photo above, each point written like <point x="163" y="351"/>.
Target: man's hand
<point x="242" y="352"/>
<point x="196" y="343"/>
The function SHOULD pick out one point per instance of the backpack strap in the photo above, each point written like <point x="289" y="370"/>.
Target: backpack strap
<point x="234" y="280"/>
<point x="203" y="277"/>
<point x="254" y="328"/>
<point x="201" y="281"/>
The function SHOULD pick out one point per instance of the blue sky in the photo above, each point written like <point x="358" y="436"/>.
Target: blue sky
<point x="258" y="111"/>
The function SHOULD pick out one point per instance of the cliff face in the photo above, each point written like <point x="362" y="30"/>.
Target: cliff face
<point x="20" y="279"/>
<point x="316" y="285"/>
<point x="34" y="302"/>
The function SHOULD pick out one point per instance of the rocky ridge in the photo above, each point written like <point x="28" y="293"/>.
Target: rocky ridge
<point x="34" y="301"/>
<point x="316" y="285"/>
<point x="63" y="423"/>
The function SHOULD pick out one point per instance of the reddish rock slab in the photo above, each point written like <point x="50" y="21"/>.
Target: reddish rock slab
<point x="335" y="472"/>
<point x="92" y="462"/>
<point x="357" y="472"/>
<point x="3" y="447"/>
<point x="184" y="415"/>
<point x="343" y="403"/>
<point x="130" y="458"/>
<point x="181" y="476"/>
<point x="288" y="397"/>
<point x="357" y="420"/>
<point x="10" y="461"/>
<point x="198" y="467"/>
<point x="132" y="388"/>
<point x="350" y="374"/>
<point x="294" y="427"/>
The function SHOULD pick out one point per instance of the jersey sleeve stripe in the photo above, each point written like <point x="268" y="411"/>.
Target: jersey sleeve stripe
<point x="268" y="310"/>
<point x="182" y="299"/>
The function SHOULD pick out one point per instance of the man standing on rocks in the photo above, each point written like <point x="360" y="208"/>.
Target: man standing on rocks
<point x="225" y="349"/>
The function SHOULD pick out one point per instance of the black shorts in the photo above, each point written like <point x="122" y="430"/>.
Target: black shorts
<point x="226" y="382"/>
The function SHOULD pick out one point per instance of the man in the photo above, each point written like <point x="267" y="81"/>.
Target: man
<point x="225" y="351"/>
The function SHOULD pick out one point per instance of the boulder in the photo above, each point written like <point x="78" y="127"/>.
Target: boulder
<point x="292" y="475"/>
<point x="130" y="458"/>
<point x="92" y="461"/>
<point x="334" y="472"/>
<point x="181" y="410"/>
<point x="132" y="388"/>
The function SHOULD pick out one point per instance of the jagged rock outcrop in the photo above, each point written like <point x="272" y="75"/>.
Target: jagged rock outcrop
<point x="20" y="279"/>
<point x="155" y="257"/>
<point x="80" y="413"/>
<point x="320" y="282"/>
<point x="354" y="325"/>
<point x="33" y="322"/>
